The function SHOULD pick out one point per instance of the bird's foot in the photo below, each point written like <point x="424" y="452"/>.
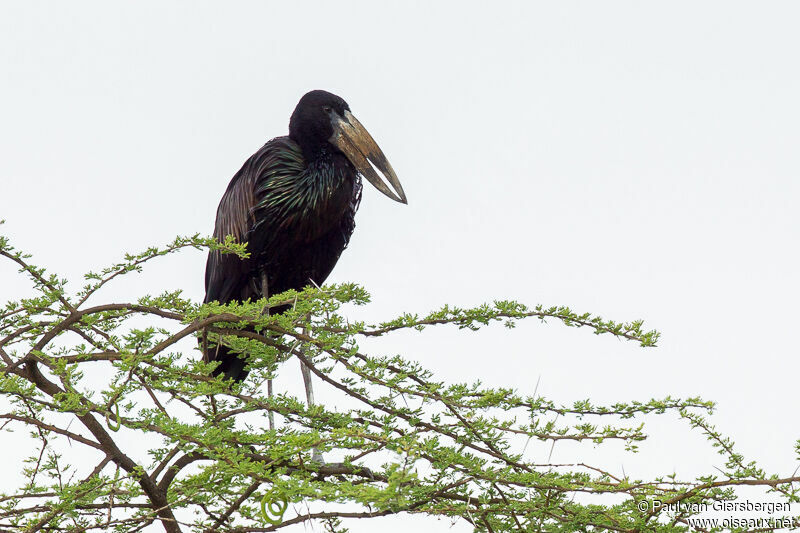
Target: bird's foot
<point x="317" y="457"/>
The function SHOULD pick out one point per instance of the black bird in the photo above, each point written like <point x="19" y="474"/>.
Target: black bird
<point x="294" y="203"/>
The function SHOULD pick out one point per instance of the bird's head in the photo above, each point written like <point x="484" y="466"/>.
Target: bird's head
<point x="322" y="118"/>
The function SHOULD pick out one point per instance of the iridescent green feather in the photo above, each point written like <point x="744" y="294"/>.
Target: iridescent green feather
<point x="288" y="190"/>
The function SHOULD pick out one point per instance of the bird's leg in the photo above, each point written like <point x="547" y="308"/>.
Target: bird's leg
<point x="265" y="289"/>
<point x="265" y="294"/>
<point x="315" y="455"/>
<point x="205" y="351"/>
<point x="307" y="380"/>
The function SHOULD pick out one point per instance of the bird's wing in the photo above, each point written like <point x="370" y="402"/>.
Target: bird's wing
<point x="228" y="276"/>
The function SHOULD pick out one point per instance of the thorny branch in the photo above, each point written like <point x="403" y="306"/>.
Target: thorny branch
<point x="404" y="442"/>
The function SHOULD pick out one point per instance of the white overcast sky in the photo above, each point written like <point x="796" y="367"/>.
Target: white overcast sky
<point x="632" y="159"/>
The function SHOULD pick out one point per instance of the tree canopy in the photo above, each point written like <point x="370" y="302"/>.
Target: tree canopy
<point x="129" y="431"/>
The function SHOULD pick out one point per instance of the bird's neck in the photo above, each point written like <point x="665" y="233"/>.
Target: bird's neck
<point x="327" y="160"/>
<point x="313" y="149"/>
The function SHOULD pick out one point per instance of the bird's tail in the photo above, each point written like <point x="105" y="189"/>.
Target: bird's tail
<point x="231" y="364"/>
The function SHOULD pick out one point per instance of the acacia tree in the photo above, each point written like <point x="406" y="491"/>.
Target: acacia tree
<point x="128" y="430"/>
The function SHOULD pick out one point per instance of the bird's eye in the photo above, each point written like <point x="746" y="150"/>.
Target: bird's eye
<point x="327" y="109"/>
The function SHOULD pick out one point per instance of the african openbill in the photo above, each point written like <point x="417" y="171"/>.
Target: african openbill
<point x="294" y="203"/>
